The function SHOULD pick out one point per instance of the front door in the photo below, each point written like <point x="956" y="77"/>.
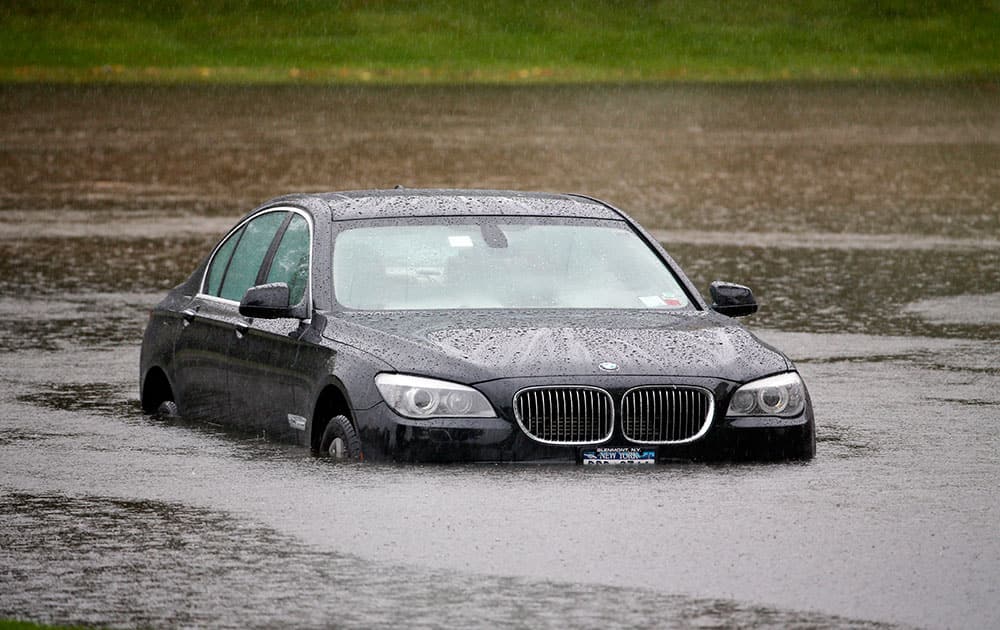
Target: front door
<point x="270" y="377"/>
<point x="214" y="324"/>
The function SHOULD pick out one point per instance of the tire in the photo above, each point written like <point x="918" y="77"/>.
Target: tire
<point x="340" y="441"/>
<point x="167" y="409"/>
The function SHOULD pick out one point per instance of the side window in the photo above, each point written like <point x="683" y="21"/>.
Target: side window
<point x="291" y="259"/>
<point x="221" y="262"/>
<point x="249" y="254"/>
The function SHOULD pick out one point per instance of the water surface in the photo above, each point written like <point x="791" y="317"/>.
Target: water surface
<point x="865" y="217"/>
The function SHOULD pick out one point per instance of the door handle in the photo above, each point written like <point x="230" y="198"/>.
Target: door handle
<point x="242" y="328"/>
<point x="188" y="315"/>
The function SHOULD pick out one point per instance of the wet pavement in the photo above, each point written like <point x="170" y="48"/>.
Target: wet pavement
<point x="866" y="217"/>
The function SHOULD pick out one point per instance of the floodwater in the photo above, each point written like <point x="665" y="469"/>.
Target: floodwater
<point x="865" y="217"/>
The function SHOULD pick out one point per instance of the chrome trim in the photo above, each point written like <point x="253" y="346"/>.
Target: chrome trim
<point x="570" y="398"/>
<point x="667" y="398"/>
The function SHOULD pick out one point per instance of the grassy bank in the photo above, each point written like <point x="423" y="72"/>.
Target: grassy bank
<point x="251" y="41"/>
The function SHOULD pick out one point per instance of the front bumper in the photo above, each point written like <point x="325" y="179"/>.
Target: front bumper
<point x="386" y="436"/>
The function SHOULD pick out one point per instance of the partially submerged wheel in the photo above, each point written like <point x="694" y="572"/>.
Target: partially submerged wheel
<point x="167" y="409"/>
<point x="340" y="441"/>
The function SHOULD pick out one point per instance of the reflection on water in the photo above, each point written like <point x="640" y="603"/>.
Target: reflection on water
<point x="103" y="398"/>
<point x="77" y="320"/>
<point x="856" y="291"/>
<point x="960" y="309"/>
<point x="103" y="561"/>
<point x="47" y="267"/>
<point x="816" y="290"/>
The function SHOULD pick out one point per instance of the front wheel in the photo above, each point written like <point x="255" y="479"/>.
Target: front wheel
<point x="340" y="441"/>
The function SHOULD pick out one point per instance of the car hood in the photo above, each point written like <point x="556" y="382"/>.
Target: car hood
<point x="477" y="346"/>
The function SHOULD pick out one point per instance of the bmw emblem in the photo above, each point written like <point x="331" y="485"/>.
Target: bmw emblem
<point x="608" y="366"/>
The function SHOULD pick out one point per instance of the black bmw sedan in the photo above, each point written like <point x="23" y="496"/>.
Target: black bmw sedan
<point x="461" y="325"/>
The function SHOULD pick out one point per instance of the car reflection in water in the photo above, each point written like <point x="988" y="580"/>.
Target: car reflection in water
<point x="440" y="325"/>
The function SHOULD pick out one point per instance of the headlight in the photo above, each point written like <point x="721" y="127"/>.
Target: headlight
<point x="416" y="397"/>
<point x="781" y="395"/>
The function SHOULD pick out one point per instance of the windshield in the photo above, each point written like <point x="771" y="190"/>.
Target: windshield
<point x="500" y="263"/>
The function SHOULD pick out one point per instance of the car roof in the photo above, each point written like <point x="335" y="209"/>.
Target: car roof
<point x="412" y="202"/>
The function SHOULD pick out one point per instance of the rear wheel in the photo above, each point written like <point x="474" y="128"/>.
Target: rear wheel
<point x="167" y="409"/>
<point x="340" y="440"/>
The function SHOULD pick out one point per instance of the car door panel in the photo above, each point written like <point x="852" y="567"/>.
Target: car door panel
<point x="201" y="358"/>
<point x="267" y="379"/>
<point x="268" y="382"/>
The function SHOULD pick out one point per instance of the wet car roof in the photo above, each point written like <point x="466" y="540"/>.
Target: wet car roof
<point x="373" y="204"/>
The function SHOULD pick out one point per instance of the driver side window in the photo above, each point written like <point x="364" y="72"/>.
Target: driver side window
<point x="237" y="263"/>
<point x="291" y="259"/>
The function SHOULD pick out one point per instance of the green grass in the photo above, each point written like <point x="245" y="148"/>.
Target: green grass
<point x="428" y="41"/>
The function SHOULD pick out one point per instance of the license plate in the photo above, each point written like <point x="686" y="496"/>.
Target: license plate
<point x="622" y="455"/>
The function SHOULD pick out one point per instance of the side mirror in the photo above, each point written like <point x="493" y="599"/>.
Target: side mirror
<point x="268" y="301"/>
<point x="733" y="300"/>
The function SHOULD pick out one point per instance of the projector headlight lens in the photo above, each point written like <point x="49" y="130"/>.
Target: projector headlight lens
<point x="419" y="397"/>
<point x="783" y="395"/>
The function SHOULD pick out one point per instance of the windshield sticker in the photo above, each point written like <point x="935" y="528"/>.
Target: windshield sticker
<point x="673" y="301"/>
<point x="460" y="241"/>
<point x="663" y="301"/>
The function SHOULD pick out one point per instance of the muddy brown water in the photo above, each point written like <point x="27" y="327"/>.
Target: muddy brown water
<point x="866" y="217"/>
